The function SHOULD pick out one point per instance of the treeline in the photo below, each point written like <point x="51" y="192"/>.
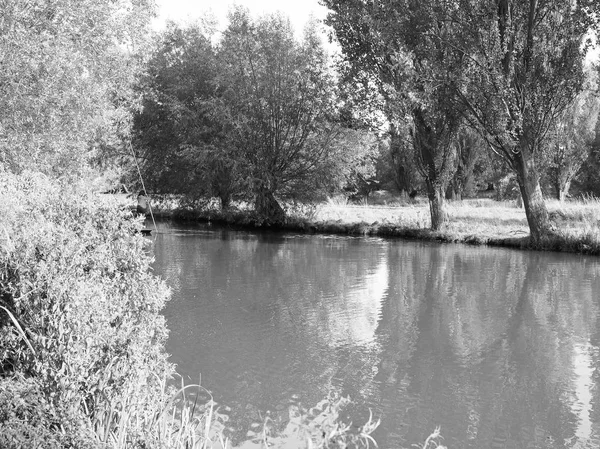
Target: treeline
<point x="441" y="98"/>
<point x="512" y="72"/>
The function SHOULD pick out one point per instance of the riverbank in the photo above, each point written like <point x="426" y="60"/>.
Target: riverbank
<point x="575" y="224"/>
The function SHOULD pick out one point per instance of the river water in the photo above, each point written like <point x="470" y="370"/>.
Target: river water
<point x="501" y="348"/>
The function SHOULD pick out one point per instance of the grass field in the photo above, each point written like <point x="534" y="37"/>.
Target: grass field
<point x="576" y="224"/>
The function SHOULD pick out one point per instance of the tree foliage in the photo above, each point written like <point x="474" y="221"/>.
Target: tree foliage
<point x="469" y="152"/>
<point x="181" y="132"/>
<point x="281" y="99"/>
<point x="401" y="159"/>
<point x="252" y="116"/>
<point x="65" y="78"/>
<point x="570" y="141"/>
<point x="399" y="46"/>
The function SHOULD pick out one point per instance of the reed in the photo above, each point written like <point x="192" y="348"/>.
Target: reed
<point x="172" y="419"/>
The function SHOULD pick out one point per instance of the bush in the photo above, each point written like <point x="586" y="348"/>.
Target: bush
<point x="80" y="329"/>
<point x="29" y="419"/>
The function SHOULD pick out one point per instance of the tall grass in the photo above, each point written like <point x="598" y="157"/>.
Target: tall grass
<point x="175" y="419"/>
<point x="178" y="421"/>
<point x="319" y="427"/>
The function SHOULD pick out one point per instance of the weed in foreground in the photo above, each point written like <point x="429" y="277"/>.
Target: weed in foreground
<point x="433" y="440"/>
<point x="319" y="427"/>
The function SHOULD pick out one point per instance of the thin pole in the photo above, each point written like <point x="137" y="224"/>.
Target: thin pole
<point x="143" y="187"/>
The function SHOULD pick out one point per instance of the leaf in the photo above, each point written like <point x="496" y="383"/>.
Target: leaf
<point x="19" y="328"/>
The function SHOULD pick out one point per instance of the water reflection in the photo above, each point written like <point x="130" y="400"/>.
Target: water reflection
<point x="499" y="347"/>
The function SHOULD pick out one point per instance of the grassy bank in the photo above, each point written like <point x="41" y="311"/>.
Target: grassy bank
<point x="575" y="224"/>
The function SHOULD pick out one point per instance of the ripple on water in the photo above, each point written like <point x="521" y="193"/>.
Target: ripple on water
<point x="498" y="347"/>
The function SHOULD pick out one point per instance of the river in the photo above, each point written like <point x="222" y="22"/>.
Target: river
<point x="499" y="347"/>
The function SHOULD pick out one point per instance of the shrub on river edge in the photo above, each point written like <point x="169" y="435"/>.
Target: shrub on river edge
<point x="82" y="358"/>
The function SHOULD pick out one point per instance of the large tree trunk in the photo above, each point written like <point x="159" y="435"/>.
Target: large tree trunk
<point x="268" y="208"/>
<point x="531" y="192"/>
<point x="437" y="210"/>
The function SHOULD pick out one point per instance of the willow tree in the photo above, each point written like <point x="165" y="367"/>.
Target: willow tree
<point x="525" y="68"/>
<point x="181" y="132"/>
<point x="400" y="45"/>
<point x="280" y="94"/>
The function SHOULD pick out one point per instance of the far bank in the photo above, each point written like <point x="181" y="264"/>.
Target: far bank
<point x="575" y="224"/>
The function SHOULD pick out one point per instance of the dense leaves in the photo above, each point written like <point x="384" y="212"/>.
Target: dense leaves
<point x="181" y="132"/>
<point x="255" y="116"/>
<point x="75" y="278"/>
<point x="281" y="96"/>
<point x="65" y="78"/>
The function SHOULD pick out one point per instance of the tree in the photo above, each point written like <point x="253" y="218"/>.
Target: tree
<point x="571" y="140"/>
<point x="280" y="96"/>
<point x="400" y="46"/>
<point x="358" y="117"/>
<point x="469" y="152"/>
<point x="402" y="162"/>
<point x="360" y="163"/>
<point x="590" y="171"/>
<point x="525" y="68"/>
<point x="182" y="131"/>
<point x="66" y="75"/>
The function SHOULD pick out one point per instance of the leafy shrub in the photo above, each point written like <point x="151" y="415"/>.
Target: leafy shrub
<point x="79" y="323"/>
<point x="29" y="419"/>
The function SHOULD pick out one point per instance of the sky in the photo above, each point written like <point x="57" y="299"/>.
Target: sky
<point x="183" y="11"/>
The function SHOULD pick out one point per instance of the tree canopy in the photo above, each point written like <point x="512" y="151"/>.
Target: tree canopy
<point x="526" y="67"/>
<point x="399" y="49"/>
<point x="256" y="115"/>
<point x="281" y="96"/>
<point x="66" y="76"/>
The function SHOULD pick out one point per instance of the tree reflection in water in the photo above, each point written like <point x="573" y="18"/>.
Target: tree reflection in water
<point x="499" y="347"/>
